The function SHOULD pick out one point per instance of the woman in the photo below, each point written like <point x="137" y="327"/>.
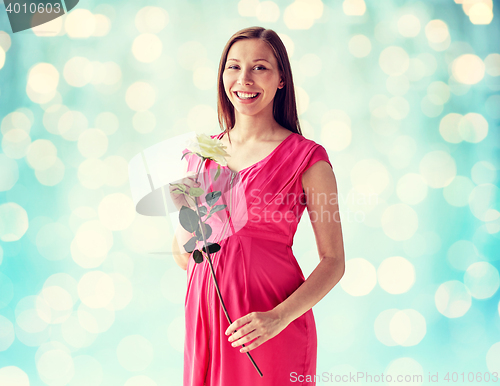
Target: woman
<point x="262" y="285"/>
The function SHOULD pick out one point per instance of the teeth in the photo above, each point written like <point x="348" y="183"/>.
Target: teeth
<point x="245" y="95"/>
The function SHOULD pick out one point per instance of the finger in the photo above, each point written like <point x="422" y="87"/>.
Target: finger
<point x="245" y="339"/>
<point x="231" y="328"/>
<point x="243" y="333"/>
<point x="256" y="343"/>
<point x="239" y="322"/>
<point x="237" y="334"/>
<point x="238" y="331"/>
<point x="234" y="326"/>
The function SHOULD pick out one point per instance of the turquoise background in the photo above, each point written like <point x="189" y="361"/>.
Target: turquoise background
<point x="403" y="114"/>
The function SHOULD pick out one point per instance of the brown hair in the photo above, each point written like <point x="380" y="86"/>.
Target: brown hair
<point x="284" y="106"/>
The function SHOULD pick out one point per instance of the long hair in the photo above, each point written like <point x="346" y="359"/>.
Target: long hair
<point x="284" y="105"/>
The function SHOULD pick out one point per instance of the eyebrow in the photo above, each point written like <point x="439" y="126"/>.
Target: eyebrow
<point x="256" y="60"/>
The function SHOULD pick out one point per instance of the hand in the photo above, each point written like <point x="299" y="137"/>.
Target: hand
<point x="260" y="325"/>
<point x="180" y="199"/>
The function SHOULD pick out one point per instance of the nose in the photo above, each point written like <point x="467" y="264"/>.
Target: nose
<point x="244" y="78"/>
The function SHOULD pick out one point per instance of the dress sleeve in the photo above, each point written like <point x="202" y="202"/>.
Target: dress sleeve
<point x="318" y="154"/>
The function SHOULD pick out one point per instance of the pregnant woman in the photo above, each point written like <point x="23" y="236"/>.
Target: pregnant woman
<point x="273" y="173"/>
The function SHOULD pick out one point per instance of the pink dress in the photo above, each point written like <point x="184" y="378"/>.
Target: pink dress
<point x="255" y="269"/>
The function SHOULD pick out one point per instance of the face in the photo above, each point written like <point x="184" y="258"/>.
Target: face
<point x="251" y="68"/>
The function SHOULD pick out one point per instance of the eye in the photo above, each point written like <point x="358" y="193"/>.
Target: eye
<point x="235" y="66"/>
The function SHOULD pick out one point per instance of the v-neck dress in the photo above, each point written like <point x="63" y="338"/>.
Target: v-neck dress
<point x="255" y="269"/>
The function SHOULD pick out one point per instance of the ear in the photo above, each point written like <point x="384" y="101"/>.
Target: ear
<point x="282" y="83"/>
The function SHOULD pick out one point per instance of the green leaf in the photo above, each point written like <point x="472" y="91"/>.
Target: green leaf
<point x="190" y="245"/>
<point x="203" y="210"/>
<point x="196" y="192"/>
<point x="212" y="197"/>
<point x="189" y="219"/>
<point x="207" y="229"/>
<point x="180" y="186"/>
<point x="218" y="173"/>
<point x="216" y="208"/>
<point x="212" y="247"/>
<point x="198" y="256"/>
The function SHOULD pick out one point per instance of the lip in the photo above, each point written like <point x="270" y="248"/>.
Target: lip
<point x="247" y="101"/>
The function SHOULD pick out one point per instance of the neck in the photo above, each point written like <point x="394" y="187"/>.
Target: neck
<point x="250" y="128"/>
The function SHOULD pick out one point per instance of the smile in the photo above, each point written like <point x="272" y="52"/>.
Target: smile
<point x="246" y="98"/>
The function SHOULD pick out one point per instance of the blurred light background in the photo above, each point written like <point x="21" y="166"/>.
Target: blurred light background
<point x="404" y="95"/>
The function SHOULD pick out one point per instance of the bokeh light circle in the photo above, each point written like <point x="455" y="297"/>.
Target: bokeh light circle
<point x="438" y="169"/>
<point x="396" y="275"/>
<point x="43" y="78"/>
<point x="399" y="222"/>
<point x="453" y="299"/>
<point x="41" y="154"/>
<point x="482" y="279"/>
<point x="92" y="143"/>
<point x="10" y="173"/>
<point x="116" y="211"/>
<point x="411" y="188"/>
<point x="7" y="334"/>
<point x="13" y="222"/>
<point x="468" y="69"/>
<point x="13" y="376"/>
<point x="135" y="353"/>
<point x="96" y="289"/>
<point x="140" y="96"/>
<point x="147" y="48"/>
<point x="457" y="193"/>
<point x="151" y="19"/>
<point x="394" y="60"/>
<point x="360" y="277"/>
<point x="360" y="46"/>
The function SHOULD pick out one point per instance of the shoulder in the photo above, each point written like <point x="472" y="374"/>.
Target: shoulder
<point x="311" y="152"/>
<point x="306" y="141"/>
<point x="305" y="147"/>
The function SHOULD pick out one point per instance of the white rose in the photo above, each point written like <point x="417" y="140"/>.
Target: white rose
<point x="210" y="148"/>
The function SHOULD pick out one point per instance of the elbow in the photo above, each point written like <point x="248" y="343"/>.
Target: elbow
<point x="181" y="259"/>
<point x="341" y="266"/>
<point x="338" y="266"/>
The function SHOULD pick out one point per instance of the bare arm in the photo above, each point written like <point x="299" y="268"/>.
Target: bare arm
<point x="324" y="213"/>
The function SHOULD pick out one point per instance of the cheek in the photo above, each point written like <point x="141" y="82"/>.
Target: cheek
<point x="226" y="82"/>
